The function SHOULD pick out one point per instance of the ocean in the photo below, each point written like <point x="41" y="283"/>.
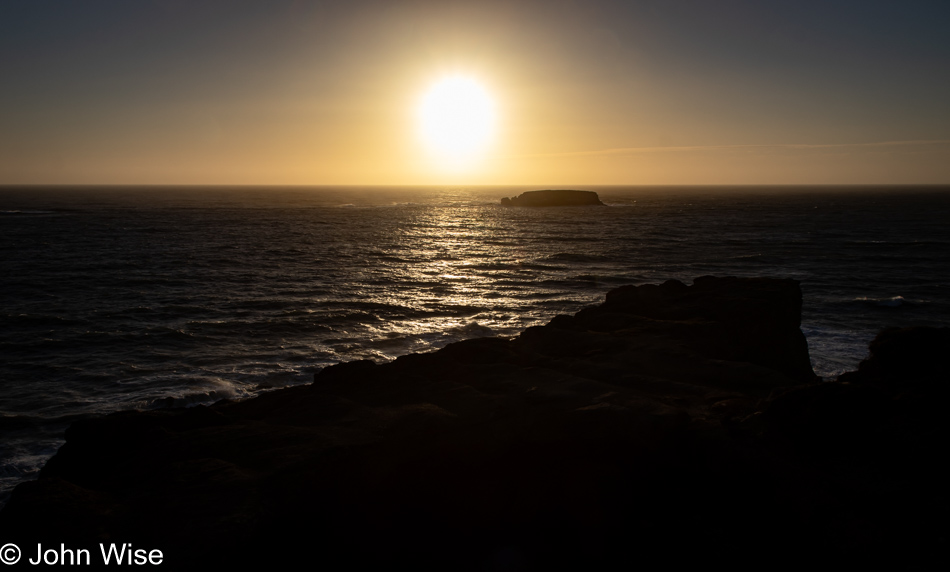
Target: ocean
<point x="117" y="298"/>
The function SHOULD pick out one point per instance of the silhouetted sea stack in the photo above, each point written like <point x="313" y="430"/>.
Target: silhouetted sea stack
<point x="671" y="421"/>
<point x="553" y="198"/>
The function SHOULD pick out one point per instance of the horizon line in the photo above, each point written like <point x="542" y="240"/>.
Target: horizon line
<point x="443" y="185"/>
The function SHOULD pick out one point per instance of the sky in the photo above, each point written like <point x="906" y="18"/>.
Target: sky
<point x="651" y="92"/>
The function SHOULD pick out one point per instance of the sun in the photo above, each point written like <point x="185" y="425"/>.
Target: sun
<point x="456" y="119"/>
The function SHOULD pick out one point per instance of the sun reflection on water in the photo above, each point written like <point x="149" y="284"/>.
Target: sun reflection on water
<point x="462" y="271"/>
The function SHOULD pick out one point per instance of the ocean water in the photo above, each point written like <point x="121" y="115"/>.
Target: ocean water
<point x="115" y="298"/>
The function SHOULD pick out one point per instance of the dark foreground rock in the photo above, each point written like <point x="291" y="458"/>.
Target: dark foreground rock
<point x="553" y="198"/>
<point x="673" y="422"/>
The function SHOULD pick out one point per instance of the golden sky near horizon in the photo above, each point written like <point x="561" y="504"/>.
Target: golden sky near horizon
<point x="319" y="93"/>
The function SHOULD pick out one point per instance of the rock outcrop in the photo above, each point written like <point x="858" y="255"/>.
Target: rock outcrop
<point x="671" y="421"/>
<point x="553" y="198"/>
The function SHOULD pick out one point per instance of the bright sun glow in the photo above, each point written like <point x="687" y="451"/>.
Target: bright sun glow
<point x="456" y="119"/>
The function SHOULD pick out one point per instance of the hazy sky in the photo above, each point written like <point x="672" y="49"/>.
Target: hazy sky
<point x="586" y="92"/>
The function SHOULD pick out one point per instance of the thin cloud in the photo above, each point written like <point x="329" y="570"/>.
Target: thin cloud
<point x="636" y="150"/>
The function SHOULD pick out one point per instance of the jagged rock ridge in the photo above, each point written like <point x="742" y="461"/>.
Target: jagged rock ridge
<point x="671" y="419"/>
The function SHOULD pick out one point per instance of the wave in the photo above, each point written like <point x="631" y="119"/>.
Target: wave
<point x="25" y="212"/>
<point x="892" y="302"/>
<point x="40" y="320"/>
<point x="471" y="329"/>
<point x="575" y="257"/>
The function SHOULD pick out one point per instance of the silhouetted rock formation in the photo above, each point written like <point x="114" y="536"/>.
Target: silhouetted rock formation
<point x="673" y="421"/>
<point x="882" y="432"/>
<point x="553" y="199"/>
